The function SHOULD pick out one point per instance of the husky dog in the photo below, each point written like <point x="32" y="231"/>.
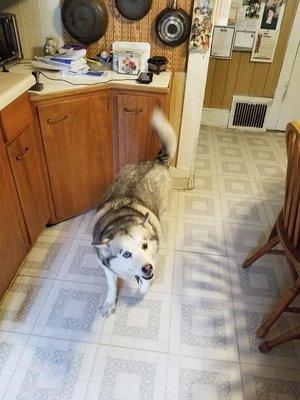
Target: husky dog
<point x="127" y="230"/>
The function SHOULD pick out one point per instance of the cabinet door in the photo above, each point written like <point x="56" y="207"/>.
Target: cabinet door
<point x="27" y="171"/>
<point x="12" y="246"/>
<point x="136" y="139"/>
<point x="78" y="148"/>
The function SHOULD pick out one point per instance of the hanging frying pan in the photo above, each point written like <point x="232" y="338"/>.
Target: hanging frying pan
<point x="133" y="9"/>
<point x="172" y="25"/>
<point x="85" y="20"/>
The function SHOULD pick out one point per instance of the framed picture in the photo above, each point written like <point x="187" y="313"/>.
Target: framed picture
<point x="129" y="62"/>
<point x="222" y="41"/>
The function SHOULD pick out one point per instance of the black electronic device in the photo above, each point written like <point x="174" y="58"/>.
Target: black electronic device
<point x="145" y="77"/>
<point x="37" y="87"/>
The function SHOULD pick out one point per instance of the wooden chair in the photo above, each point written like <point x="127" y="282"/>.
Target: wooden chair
<point x="286" y="231"/>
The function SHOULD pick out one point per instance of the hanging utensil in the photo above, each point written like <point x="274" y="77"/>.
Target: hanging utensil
<point x="85" y="20"/>
<point x="133" y="9"/>
<point x="172" y="25"/>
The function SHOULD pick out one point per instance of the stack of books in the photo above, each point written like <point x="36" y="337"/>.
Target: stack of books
<point x="70" y="60"/>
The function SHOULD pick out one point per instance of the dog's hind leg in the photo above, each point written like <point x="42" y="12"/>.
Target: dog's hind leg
<point x="109" y="304"/>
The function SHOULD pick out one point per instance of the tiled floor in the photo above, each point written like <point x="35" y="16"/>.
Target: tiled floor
<point x="193" y="335"/>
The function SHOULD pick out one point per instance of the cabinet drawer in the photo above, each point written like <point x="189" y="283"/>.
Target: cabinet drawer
<point x="27" y="171"/>
<point x="16" y="117"/>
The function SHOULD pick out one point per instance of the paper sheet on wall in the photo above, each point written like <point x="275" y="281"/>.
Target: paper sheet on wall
<point x="243" y="41"/>
<point x="222" y="12"/>
<point x="264" y="46"/>
<point x="222" y="41"/>
<point x="249" y="15"/>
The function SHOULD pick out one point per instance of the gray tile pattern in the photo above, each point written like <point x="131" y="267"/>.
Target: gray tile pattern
<point x="150" y="331"/>
<point x="89" y="302"/>
<point x="67" y="366"/>
<point x="189" y="378"/>
<point x="214" y="317"/>
<point x="114" y="367"/>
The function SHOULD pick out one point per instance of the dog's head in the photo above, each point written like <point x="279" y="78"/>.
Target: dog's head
<point x="131" y="253"/>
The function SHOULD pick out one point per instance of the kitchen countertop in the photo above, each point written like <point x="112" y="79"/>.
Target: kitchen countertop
<point x="13" y="84"/>
<point x="20" y="79"/>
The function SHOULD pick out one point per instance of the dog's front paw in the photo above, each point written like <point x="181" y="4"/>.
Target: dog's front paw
<point x="107" y="309"/>
<point x="144" y="287"/>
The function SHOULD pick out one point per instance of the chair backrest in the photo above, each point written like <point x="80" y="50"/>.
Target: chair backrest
<point x="291" y="208"/>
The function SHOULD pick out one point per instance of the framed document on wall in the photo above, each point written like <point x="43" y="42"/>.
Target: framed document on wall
<point x="222" y="41"/>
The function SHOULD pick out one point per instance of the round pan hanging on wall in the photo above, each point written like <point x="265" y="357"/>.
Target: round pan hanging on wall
<point x="133" y="9"/>
<point x="173" y="25"/>
<point x="85" y="20"/>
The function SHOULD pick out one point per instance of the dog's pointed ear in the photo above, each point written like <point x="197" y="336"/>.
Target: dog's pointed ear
<point x="103" y="242"/>
<point x="145" y="219"/>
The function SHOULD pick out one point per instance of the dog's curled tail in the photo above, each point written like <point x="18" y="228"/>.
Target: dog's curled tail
<point x="166" y="135"/>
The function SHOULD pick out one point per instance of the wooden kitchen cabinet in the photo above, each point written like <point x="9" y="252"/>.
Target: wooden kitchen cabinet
<point x="135" y="136"/>
<point x="13" y="245"/>
<point x="78" y="147"/>
<point x="25" y="163"/>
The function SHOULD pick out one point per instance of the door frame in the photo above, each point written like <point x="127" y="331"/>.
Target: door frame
<point x="286" y="70"/>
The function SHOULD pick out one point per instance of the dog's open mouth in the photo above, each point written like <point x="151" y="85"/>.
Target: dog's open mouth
<point x="148" y="277"/>
<point x="139" y="278"/>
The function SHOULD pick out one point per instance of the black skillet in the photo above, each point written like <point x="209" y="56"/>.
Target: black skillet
<point x="172" y="25"/>
<point x="133" y="9"/>
<point x="85" y="20"/>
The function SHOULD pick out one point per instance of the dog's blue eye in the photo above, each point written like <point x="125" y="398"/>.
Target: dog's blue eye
<point x="127" y="254"/>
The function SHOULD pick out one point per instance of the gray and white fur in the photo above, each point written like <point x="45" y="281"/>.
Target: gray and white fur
<point x="127" y="230"/>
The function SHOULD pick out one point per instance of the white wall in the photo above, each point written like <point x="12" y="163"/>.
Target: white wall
<point x="37" y="19"/>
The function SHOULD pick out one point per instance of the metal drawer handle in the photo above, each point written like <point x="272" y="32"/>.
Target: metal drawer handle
<point x="54" y="121"/>
<point x="132" y="110"/>
<point x="25" y="152"/>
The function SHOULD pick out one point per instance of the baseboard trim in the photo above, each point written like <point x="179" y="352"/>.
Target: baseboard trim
<point x="215" y="117"/>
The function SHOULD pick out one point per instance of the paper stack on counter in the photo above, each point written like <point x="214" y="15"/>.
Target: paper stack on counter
<point x="70" y="61"/>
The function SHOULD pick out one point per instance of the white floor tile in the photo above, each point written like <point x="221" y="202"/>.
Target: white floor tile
<point x="139" y="323"/>
<point x="202" y="275"/>
<point x="71" y="311"/>
<point x="22" y="304"/>
<point x="203" y="328"/>
<point x="200" y="236"/>
<point x="81" y="264"/>
<point x="128" y="374"/>
<point x="261" y="283"/>
<point x="52" y="369"/>
<point x="46" y="257"/>
<point x="273" y="383"/>
<point x="200" y="206"/>
<point x="195" y="379"/>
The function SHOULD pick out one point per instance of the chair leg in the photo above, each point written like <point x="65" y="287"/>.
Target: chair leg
<point x="286" y="337"/>
<point x="260" y="252"/>
<point x="280" y="308"/>
<point x="273" y="232"/>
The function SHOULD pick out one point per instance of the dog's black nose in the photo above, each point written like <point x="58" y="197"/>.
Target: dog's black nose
<point x="147" y="269"/>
